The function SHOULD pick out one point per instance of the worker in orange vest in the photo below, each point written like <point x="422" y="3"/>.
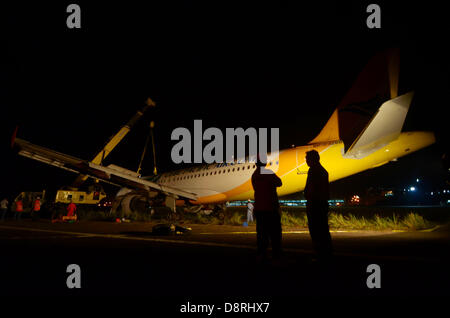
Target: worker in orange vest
<point x="36" y="208"/>
<point x="71" y="209"/>
<point x="19" y="209"/>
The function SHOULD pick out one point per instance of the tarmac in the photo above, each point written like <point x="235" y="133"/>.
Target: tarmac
<point x="215" y="261"/>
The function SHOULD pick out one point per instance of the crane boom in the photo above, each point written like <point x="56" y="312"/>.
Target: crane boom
<point x="116" y="139"/>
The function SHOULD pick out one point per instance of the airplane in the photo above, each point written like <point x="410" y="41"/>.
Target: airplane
<point x="363" y="132"/>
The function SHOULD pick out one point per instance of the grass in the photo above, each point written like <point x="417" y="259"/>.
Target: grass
<point x="337" y="221"/>
<point x="235" y="219"/>
<point x="363" y="218"/>
<point x="287" y="219"/>
<point x="416" y="222"/>
<point x="295" y="218"/>
<point x="410" y="222"/>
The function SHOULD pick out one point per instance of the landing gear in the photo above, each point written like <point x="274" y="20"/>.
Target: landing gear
<point x="221" y="216"/>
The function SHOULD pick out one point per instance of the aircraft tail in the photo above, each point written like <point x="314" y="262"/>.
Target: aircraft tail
<point x="374" y="86"/>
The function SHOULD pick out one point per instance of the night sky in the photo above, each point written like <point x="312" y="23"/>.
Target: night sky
<point x="260" y="65"/>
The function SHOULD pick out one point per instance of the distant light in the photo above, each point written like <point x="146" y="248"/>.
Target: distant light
<point x="412" y="188"/>
<point x="432" y="193"/>
<point x="417" y="180"/>
<point x="387" y="150"/>
<point x="355" y="199"/>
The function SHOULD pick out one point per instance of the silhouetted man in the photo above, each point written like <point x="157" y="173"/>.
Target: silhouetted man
<point x="317" y="193"/>
<point x="266" y="211"/>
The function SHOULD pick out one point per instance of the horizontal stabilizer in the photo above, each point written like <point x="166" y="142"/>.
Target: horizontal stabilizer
<point x="384" y="127"/>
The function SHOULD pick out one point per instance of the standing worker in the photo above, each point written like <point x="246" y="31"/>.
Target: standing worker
<point x="267" y="211"/>
<point x="249" y="211"/>
<point x="4" y="207"/>
<point x="19" y="208"/>
<point x="71" y="208"/>
<point x="317" y="194"/>
<point x="35" y="209"/>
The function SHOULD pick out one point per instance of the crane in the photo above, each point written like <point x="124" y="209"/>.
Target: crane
<point x="65" y="196"/>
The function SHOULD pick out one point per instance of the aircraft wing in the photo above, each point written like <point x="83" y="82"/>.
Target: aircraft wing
<point x="111" y="174"/>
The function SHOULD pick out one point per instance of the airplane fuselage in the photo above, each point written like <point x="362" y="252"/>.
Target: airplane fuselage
<point x="218" y="183"/>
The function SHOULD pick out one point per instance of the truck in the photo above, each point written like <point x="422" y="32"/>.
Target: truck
<point x="94" y="194"/>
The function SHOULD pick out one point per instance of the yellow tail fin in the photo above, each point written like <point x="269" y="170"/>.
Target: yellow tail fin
<point x="377" y="83"/>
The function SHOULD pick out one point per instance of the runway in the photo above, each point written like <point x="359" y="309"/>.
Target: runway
<point x="214" y="260"/>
